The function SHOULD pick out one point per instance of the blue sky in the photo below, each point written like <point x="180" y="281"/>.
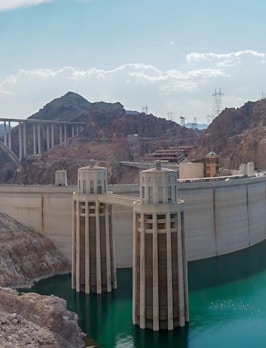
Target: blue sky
<point x="167" y="54"/>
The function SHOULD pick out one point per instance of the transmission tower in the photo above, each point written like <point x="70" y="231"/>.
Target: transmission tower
<point x="170" y="116"/>
<point x="217" y="105"/>
<point x="182" y="121"/>
<point x="194" y="124"/>
<point x="145" y="109"/>
<point x="217" y="102"/>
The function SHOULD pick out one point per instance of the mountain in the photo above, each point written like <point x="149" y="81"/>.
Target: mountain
<point x="70" y="107"/>
<point x="105" y="139"/>
<point x="237" y="135"/>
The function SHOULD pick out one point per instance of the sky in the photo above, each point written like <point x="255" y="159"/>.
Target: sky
<point x="166" y="57"/>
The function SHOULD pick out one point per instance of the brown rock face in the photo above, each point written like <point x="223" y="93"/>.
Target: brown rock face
<point x="238" y="136"/>
<point x="104" y="139"/>
<point x="37" y="321"/>
<point x="26" y="256"/>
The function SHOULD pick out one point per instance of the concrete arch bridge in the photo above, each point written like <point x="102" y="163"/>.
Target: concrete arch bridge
<point x="33" y="136"/>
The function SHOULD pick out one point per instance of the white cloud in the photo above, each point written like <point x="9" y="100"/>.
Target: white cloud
<point x="195" y="56"/>
<point x="187" y="92"/>
<point x="13" y="4"/>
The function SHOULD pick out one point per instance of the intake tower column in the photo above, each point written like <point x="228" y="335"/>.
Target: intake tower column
<point x="93" y="266"/>
<point x="160" y="289"/>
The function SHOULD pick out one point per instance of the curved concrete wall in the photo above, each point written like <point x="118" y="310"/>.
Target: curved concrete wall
<point x="223" y="216"/>
<point x="45" y="209"/>
<point x="220" y="216"/>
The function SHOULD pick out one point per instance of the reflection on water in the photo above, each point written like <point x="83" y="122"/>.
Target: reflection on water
<point x="227" y="306"/>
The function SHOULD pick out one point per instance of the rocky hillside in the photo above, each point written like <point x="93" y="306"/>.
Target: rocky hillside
<point x="237" y="135"/>
<point x="69" y="107"/>
<point x="104" y="139"/>
<point x="32" y="320"/>
<point x="26" y="255"/>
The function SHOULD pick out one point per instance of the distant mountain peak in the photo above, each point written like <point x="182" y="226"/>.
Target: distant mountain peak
<point x="69" y="107"/>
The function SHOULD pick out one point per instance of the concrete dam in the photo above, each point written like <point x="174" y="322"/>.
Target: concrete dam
<point x="220" y="216"/>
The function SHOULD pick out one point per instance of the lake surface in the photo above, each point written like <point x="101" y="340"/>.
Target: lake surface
<point x="227" y="306"/>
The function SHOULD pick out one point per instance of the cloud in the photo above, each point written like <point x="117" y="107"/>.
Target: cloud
<point x="195" y="56"/>
<point x="6" y="5"/>
<point x="225" y="59"/>
<point x="187" y="91"/>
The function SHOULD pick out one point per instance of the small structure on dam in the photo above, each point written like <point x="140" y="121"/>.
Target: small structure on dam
<point x="160" y="289"/>
<point x="93" y="265"/>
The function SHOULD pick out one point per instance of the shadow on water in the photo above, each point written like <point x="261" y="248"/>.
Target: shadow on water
<point x="148" y="338"/>
<point x="223" y="269"/>
<point x="107" y="318"/>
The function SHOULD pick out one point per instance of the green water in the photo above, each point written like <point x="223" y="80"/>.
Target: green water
<point x="230" y="314"/>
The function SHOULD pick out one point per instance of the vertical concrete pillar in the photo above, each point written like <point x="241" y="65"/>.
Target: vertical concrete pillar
<point x="142" y="285"/>
<point x="60" y="135"/>
<point x="47" y="136"/>
<point x="77" y="250"/>
<point x="20" y="140"/>
<point x="34" y="139"/>
<point x="74" y="242"/>
<point x="87" y="251"/>
<point x="155" y="277"/>
<point x="93" y="251"/>
<point x="65" y="134"/>
<point x="169" y="273"/>
<point x="5" y="134"/>
<point x="9" y="135"/>
<point x="52" y="134"/>
<point x="39" y="138"/>
<point x="160" y="296"/>
<point x="24" y="127"/>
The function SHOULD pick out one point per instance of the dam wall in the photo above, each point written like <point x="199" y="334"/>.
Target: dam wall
<point x="220" y="216"/>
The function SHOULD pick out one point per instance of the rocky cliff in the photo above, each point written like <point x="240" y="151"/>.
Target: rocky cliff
<point x="26" y="256"/>
<point x="32" y="320"/>
<point x="237" y="135"/>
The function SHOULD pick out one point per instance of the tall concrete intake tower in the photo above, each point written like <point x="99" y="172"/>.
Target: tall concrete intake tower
<point x="160" y="289"/>
<point x="93" y="265"/>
